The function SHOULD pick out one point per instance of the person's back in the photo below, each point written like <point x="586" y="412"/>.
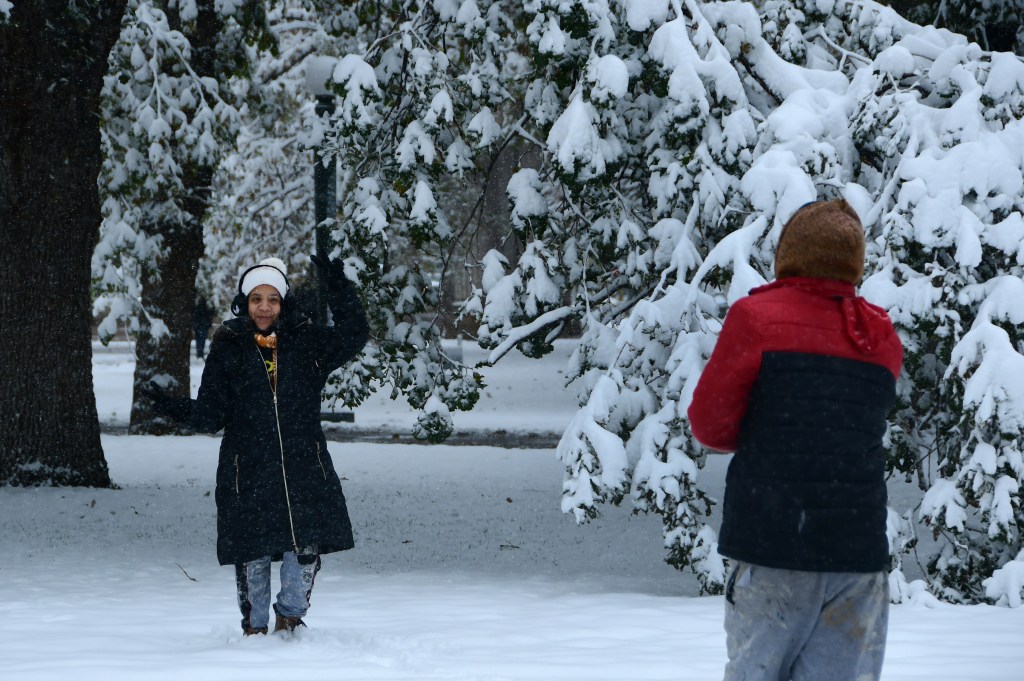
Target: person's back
<point x="811" y="458"/>
<point x="799" y="386"/>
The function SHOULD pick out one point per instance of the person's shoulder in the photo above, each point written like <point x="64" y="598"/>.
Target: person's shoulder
<point x="891" y="348"/>
<point x="755" y="303"/>
<point x="796" y="295"/>
<point x="230" y="331"/>
<point x="296" y="325"/>
<point x="745" y="317"/>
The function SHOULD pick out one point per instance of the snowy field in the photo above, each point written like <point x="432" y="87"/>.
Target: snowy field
<point x="464" y="570"/>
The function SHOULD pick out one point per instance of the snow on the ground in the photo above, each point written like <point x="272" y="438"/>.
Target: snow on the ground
<point x="464" y="570"/>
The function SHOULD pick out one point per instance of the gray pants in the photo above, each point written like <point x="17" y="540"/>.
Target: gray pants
<point x="787" y="625"/>
<point x="252" y="580"/>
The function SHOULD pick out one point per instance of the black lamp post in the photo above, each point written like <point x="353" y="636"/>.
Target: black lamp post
<point x="319" y="71"/>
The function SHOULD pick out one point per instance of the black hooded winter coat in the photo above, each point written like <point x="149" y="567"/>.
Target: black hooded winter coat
<point x="277" y="489"/>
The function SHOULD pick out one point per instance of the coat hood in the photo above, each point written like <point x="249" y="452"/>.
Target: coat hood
<point x="867" y="325"/>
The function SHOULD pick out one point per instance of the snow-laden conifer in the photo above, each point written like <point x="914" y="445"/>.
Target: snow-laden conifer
<point x="661" y="146"/>
<point x="163" y="121"/>
<point x="263" y="188"/>
<point x="176" y="80"/>
<point x="663" y="200"/>
<point x="936" y="125"/>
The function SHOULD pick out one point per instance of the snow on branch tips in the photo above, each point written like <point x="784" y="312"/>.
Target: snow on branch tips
<point x="359" y="91"/>
<point x="1006" y="585"/>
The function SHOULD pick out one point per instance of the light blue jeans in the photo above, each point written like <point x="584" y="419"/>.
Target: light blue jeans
<point x="788" y="625"/>
<point x="252" y="579"/>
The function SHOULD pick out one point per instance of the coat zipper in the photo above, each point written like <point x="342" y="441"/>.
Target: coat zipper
<point x="236" y="474"/>
<point x="280" y="443"/>
<point x="284" y="474"/>
<point x="319" y="460"/>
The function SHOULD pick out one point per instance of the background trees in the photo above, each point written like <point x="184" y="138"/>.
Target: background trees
<point x="177" y="78"/>
<point x="646" y="153"/>
<point x="671" y="142"/>
<point x="993" y="24"/>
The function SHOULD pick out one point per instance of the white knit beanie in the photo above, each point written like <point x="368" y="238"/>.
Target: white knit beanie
<point x="270" y="271"/>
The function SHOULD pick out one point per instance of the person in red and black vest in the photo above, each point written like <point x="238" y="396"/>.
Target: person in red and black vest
<point x="799" y="386"/>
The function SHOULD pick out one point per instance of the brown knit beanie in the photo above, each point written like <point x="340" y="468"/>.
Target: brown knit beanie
<point x="824" y="240"/>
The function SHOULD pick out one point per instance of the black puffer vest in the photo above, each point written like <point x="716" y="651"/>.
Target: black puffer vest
<point x="805" y="497"/>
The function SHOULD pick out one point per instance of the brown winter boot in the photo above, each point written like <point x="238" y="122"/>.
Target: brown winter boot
<point x="288" y="624"/>
<point x="249" y="631"/>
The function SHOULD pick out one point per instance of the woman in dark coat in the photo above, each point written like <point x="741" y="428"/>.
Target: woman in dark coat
<point x="278" y="495"/>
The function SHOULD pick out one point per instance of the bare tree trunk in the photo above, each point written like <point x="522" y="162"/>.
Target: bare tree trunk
<point x="54" y="56"/>
<point x="485" y="207"/>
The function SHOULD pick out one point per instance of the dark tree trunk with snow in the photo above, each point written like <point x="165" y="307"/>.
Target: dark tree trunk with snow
<point x="53" y="57"/>
<point x="170" y="294"/>
<point x="169" y="297"/>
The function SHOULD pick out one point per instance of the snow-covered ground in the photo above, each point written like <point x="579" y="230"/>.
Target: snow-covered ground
<point x="464" y="569"/>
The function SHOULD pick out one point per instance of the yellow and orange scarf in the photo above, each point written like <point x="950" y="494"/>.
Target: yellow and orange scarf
<point x="269" y="343"/>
